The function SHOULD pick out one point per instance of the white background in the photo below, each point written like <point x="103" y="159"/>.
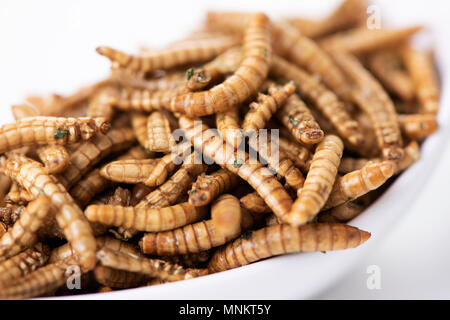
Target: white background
<point x="49" y="46"/>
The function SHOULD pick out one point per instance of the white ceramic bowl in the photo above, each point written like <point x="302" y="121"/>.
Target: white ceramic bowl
<point x="298" y="276"/>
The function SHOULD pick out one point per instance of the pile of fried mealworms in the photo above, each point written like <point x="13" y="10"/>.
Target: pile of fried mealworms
<point x="146" y="177"/>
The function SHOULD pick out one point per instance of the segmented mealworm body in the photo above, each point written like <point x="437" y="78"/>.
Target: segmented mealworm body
<point x="298" y="154"/>
<point x="54" y="157"/>
<point x="281" y="239"/>
<point x="318" y="183"/>
<point x="374" y="101"/>
<point x="23" y="263"/>
<point x="139" y="125"/>
<point x="349" y="164"/>
<point x="359" y="182"/>
<point x="151" y="267"/>
<point x="167" y="81"/>
<point x="49" y="130"/>
<point x="32" y="176"/>
<point x="118" y="278"/>
<point x="295" y="116"/>
<point x="139" y="191"/>
<point x="258" y="176"/>
<point x="417" y="126"/>
<point x="91" y="152"/>
<point x="101" y="103"/>
<point x="159" y="133"/>
<point x="23" y="233"/>
<point x="425" y="80"/>
<point x="252" y="71"/>
<point x="412" y="154"/>
<point x="228" y="126"/>
<point x="5" y="182"/>
<point x="146" y="219"/>
<point x="325" y="100"/>
<point x="254" y="203"/>
<point x="387" y="66"/>
<point x="363" y="39"/>
<point x="189" y="52"/>
<point x="226" y="214"/>
<point x="129" y="171"/>
<point x="260" y="112"/>
<point x="208" y="187"/>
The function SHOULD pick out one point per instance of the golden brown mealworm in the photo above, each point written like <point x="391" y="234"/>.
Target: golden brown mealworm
<point x="417" y="126"/>
<point x="420" y="67"/>
<point x="23" y="234"/>
<point x="319" y="182"/>
<point x="5" y="182"/>
<point x="150" y="267"/>
<point x="254" y="203"/>
<point x="54" y="157"/>
<point x="325" y="100"/>
<point x="359" y="182"/>
<point x="374" y="101"/>
<point x="258" y="176"/>
<point x="281" y="239"/>
<point x="168" y="81"/>
<point x="412" y="154"/>
<point x="146" y="219"/>
<point x="139" y="125"/>
<point x="349" y="164"/>
<point x="118" y="278"/>
<point x="129" y="171"/>
<point x="101" y="103"/>
<point x="32" y="176"/>
<point x="226" y="215"/>
<point x="364" y="40"/>
<point x="228" y="126"/>
<point x="298" y="154"/>
<point x="159" y="133"/>
<point x="210" y="186"/>
<point x="139" y="191"/>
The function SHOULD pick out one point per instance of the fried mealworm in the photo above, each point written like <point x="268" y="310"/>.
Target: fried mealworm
<point x="54" y="157"/>
<point x="281" y="239"/>
<point x="168" y="81"/>
<point x="151" y="267"/>
<point x="359" y="182"/>
<point x="412" y="154"/>
<point x="298" y="154"/>
<point x="347" y="15"/>
<point x="325" y="100"/>
<point x="319" y="182"/>
<point x="258" y="176"/>
<point x="146" y="219"/>
<point x="417" y="126"/>
<point x="252" y="71"/>
<point x="129" y="171"/>
<point x="139" y="125"/>
<point x="32" y="176"/>
<point x="420" y="67"/>
<point x="5" y="182"/>
<point x="139" y="191"/>
<point x="296" y="117"/>
<point x="23" y="234"/>
<point x="364" y="40"/>
<point x="49" y="130"/>
<point x="189" y="52"/>
<point x="261" y="111"/>
<point x="23" y="263"/>
<point x="254" y="203"/>
<point x="375" y="102"/>
<point x="387" y="66"/>
<point x="91" y="152"/>
<point x="159" y="133"/>
<point x="227" y="124"/>
<point x="101" y="104"/>
<point x="349" y="164"/>
<point x="226" y="215"/>
<point x="114" y="278"/>
<point x="210" y="186"/>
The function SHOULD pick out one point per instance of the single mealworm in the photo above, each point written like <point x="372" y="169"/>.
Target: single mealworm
<point x="363" y="40"/>
<point x="374" y="101"/>
<point x="227" y="124"/>
<point x="252" y="71"/>
<point x="139" y="191"/>
<point x="258" y="176"/>
<point x="342" y="213"/>
<point x="150" y="267"/>
<point x="49" y="130"/>
<point x="159" y="133"/>
<point x="23" y="233"/>
<point x="254" y="203"/>
<point x="226" y="215"/>
<point x="189" y="52"/>
<point x="129" y="171"/>
<point x="295" y="116"/>
<point x="298" y="154"/>
<point x="32" y="176"/>
<point x="101" y="104"/>
<point x="349" y="164"/>
<point x="146" y="219"/>
<point x="114" y="278"/>
<point x="387" y="66"/>
<point x="91" y="152"/>
<point x="325" y="100"/>
<point x="281" y="239"/>
<point x="347" y="15"/>
<point x="23" y="263"/>
<point x="319" y="182"/>
<point x="420" y="67"/>
<point x="417" y="126"/>
<point x="139" y="125"/>
<point x="167" y="81"/>
<point x="260" y="112"/>
<point x="359" y="182"/>
<point x="54" y="157"/>
<point x="210" y="186"/>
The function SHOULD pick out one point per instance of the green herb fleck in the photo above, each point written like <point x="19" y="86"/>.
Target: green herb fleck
<point x="148" y="150"/>
<point x="201" y="76"/>
<point x="41" y="191"/>
<point x="264" y="51"/>
<point x="221" y="118"/>
<point x="190" y="73"/>
<point x="237" y="163"/>
<point x="422" y="125"/>
<point x="293" y="121"/>
<point x="59" y="133"/>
